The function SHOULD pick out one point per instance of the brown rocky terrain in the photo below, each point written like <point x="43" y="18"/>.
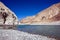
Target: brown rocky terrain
<point x="49" y="15"/>
<point x="7" y="17"/>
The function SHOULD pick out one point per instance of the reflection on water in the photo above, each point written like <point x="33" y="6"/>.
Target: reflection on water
<point x="7" y="27"/>
<point x="46" y="30"/>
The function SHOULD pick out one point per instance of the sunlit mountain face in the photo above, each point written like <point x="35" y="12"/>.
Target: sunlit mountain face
<point x="24" y="8"/>
<point x="7" y="16"/>
<point x="50" y="15"/>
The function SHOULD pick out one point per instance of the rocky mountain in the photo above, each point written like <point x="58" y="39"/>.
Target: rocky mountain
<point x="49" y="15"/>
<point x="7" y="17"/>
<point x="18" y="35"/>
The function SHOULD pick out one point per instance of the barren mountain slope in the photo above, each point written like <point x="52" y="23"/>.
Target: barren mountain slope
<point x="49" y="15"/>
<point x="7" y="16"/>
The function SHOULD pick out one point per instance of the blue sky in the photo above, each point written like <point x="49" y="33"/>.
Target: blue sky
<point x="23" y="8"/>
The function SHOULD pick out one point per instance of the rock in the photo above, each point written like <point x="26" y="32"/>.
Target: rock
<point x="49" y="15"/>
<point x="7" y="17"/>
<point x="18" y="35"/>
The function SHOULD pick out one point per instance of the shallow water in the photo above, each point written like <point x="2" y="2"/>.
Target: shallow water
<point x="46" y="30"/>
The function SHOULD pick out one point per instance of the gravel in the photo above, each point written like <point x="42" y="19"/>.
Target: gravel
<point x="9" y="34"/>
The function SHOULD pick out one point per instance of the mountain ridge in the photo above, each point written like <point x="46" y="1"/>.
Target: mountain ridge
<point x="49" y="15"/>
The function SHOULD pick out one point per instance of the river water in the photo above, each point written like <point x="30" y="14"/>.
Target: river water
<point x="45" y="30"/>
